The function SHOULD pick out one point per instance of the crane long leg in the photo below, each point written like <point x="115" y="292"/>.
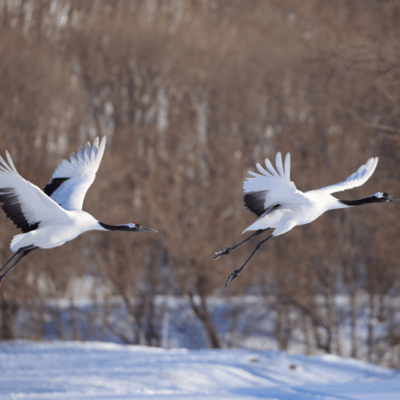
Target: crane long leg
<point x="235" y="273"/>
<point x="229" y="250"/>
<point x="17" y="253"/>
<point x="22" y="252"/>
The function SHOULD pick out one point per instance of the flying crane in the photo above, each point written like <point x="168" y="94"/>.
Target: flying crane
<point x="280" y="206"/>
<point x="51" y="217"/>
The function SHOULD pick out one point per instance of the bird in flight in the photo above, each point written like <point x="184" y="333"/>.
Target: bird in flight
<point x="280" y="206"/>
<point x="51" y="217"/>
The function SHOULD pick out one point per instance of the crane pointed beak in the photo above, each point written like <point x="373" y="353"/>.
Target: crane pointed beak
<point x="394" y="198"/>
<point x="145" y="229"/>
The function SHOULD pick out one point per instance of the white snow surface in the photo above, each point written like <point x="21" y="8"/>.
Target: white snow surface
<point x="104" y="371"/>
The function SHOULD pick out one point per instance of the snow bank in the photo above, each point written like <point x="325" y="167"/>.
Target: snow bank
<point x="96" y="370"/>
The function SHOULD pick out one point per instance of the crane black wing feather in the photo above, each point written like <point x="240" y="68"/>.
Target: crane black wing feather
<point x="264" y="190"/>
<point x="53" y="185"/>
<point x="24" y="203"/>
<point x="12" y="208"/>
<point x="255" y="202"/>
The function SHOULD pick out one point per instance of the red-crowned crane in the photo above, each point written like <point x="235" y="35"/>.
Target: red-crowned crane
<point x="280" y="206"/>
<point x="54" y="216"/>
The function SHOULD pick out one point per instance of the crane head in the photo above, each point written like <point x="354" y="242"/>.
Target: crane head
<point x="135" y="227"/>
<point x="384" y="197"/>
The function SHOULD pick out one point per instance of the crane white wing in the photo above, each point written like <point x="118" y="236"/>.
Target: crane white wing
<point x="72" y="179"/>
<point x="24" y="203"/>
<point x="354" y="180"/>
<point x="270" y="188"/>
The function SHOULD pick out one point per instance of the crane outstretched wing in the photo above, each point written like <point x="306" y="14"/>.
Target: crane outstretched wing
<point x="354" y="180"/>
<point x="72" y="179"/>
<point x="271" y="188"/>
<point x="24" y="203"/>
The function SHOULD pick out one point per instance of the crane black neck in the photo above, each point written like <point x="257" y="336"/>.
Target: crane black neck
<point x="360" y="202"/>
<point x="115" y="227"/>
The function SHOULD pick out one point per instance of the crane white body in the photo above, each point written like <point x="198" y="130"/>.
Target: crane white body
<point x="54" y="216"/>
<point x="289" y="215"/>
<point x="274" y="198"/>
<point x="57" y="232"/>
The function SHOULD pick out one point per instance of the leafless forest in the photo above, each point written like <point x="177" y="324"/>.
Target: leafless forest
<point x="191" y="94"/>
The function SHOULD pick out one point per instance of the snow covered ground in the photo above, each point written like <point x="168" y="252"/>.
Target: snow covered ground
<point x="105" y="371"/>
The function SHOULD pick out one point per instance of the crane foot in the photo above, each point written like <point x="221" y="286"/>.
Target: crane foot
<point x="222" y="253"/>
<point x="232" y="276"/>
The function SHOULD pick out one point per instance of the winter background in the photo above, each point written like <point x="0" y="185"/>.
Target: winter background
<point x="254" y="369"/>
<point x="98" y="370"/>
<point x="191" y="95"/>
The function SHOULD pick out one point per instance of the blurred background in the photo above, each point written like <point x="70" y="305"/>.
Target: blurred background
<point x="191" y="94"/>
